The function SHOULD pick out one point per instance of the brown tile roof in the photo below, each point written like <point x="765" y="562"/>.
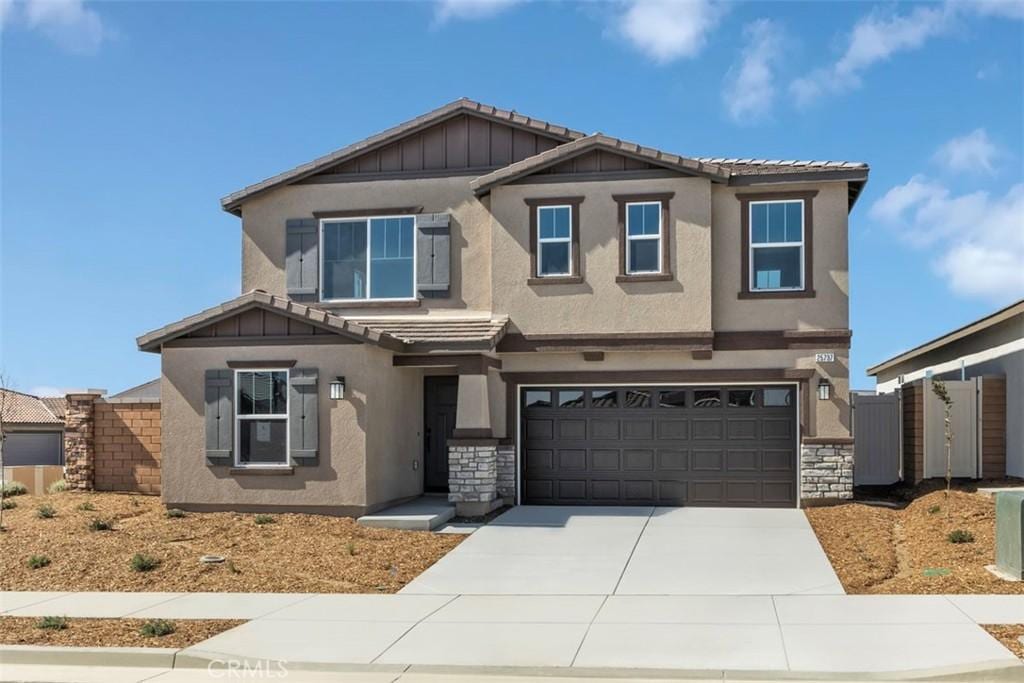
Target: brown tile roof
<point x="19" y="408"/>
<point x="464" y="105"/>
<point x="770" y="166"/>
<point x="58" y="405"/>
<point x="441" y="332"/>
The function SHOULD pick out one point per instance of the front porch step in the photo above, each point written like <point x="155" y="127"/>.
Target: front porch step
<point x="422" y="514"/>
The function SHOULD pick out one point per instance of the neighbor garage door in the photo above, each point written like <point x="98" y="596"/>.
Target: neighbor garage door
<point x="726" y="446"/>
<point x="33" y="448"/>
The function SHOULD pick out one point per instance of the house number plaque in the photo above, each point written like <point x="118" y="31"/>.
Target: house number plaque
<point x="827" y="357"/>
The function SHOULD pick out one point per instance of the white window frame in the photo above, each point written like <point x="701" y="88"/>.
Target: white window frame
<point x="629" y="238"/>
<point x="369" y="248"/>
<point x="275" y="416"/>
<point x="554" y="240"/>
<point x="768" y="245"/>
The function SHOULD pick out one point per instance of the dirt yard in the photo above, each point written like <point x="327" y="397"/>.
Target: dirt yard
<point x="885" y="550"/>
<point x="289" y="553"/>
<point x="1009" y="636"/>
<point x="108" y="632"/>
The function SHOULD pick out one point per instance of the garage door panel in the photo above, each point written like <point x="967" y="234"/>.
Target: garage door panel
<point x="669" y="459"/>
<point x="707" y="428"/>
<point x="659" y="446"/>
<point x="634" y="460"/>
<point x="604" y="460"/>
<point x="604" y="428"/>
<point x="575" y="459"/>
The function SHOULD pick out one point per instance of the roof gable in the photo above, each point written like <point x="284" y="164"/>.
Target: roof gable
<point x="460" y="135"/>
<point x="597" y="153"/>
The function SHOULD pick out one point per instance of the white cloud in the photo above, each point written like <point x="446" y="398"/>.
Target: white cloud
<point x="971" y="153"/>
<point x="875" y="38"/>
<point x="666" y="30"/>
<point x="445" y="10"/>
<point x="750" y="88"/>
<point x="979" y="238"/>
<point x="68" y="23"/>
<point x="1005" y="9"/>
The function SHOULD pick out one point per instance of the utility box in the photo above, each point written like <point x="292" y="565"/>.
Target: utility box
<point x="1010" y="534"/>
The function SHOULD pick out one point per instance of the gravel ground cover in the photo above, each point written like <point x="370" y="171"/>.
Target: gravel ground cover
<point x="108" y="632"/>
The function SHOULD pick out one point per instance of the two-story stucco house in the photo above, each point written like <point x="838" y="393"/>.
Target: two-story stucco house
<point x="480" y="303"/>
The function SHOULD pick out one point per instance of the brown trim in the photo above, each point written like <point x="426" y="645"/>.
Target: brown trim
<point x="331" y="178"/>
<point x="476" y="434"/>
<point x="593" y="356"/>
<point x="748" y="179"/>
<point x="515" y="342"/>
<point x="359" y="213"/>
<point x="464" y="364"/>
<point x="284" y="340"/>
<point x="700" y="354"/>
<point x="452" y="345"/>
<point x="709" y="376"/>
<point x="261" y="471"/>
<point x="808" y="198"/>
<point x="663" y="198"/>
<point x="757" y="340"/>
<point x="576" y="272"/>
<point x="595" y="176"/>
<point x="826" y="440"/>
<point x="269" y="364"/>
<point x="369" y="303"/>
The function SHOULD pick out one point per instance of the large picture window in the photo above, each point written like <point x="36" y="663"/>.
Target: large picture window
<point x="777" y="245"/>
<point x="368" y="258"/>
<point x="261" y="420"/>
<point x="554" y="241"/>
<point x="643" y="237"/>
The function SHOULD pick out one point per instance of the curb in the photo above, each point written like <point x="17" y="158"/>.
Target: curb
<point x="998" y="671"/>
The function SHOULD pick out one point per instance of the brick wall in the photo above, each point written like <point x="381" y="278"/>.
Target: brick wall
<point x="127" y="447"/>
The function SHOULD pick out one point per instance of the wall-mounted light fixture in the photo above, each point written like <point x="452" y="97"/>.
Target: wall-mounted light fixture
<point x="824" y="390"/>
<point x="338" y="389"/>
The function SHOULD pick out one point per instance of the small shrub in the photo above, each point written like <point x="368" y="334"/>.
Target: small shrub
<point x="38" y="561"/>
<point x="934" y="509"/>
<point x="87" y="506"/>
<point x="264" y="519"/>
<point x="155" y="628"/>
<point x="175" y="513"/>
<point x="14" y="488"/>
<point x="97" y="524"/>
<point x="59" y="486"/>
<point x="52" y="623"/>
<point x="46" y="512"/>
<point x="144" y="563"/>
<point x="8" y="504"/>
<point x="960" y="536"/>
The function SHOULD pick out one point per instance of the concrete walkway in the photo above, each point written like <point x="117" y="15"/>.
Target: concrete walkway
<point x="542" y="550"/>
<point x="852" y="634"/>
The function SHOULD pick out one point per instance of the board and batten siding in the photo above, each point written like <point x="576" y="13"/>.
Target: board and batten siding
<point x="993" y="427"/>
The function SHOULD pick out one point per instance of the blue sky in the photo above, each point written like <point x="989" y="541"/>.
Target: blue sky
<point x="124" y="123"/>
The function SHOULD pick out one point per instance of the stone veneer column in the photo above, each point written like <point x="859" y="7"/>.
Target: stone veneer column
<point x="79" y="439"/>
<point x="826" y="470"/>
<point x="473" y="476"/>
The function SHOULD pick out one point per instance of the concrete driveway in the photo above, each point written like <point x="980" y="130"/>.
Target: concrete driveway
<point x="541" y="550"/>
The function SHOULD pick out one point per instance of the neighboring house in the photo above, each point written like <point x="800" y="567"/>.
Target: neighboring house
<point x="486" y="305"/>
<point x="33" y="428"/>
<point x="992" y="347"/>
<point x="147" y="392"/>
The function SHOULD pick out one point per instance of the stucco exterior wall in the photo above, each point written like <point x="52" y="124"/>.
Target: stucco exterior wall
<point x="263" y="232"/>
<point x="828" y="309"/>
<point x="599" y="303"/>
<point x="373" y="424"/>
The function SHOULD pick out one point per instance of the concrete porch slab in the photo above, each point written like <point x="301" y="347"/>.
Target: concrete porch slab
<point x="423" y="514"/>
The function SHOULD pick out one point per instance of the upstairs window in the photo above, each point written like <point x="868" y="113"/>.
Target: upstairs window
<point x="643" y="237"/>
<point x="554" y="241"/>
<point x="777" y="245"/>
<point x="262" y="418"/>
<point x="368" y="258"/>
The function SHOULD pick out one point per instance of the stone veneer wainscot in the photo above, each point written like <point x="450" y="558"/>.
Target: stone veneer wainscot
<point x="826" y="471"/>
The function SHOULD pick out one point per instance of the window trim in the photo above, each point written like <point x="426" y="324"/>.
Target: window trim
<point x="633" y="238"/>
<point x="287" y="464"/>
<point x="541" y="241"/>
<point x="746" y="260"/>
<point x="665" y="235"/>
<point x="367" y="217"/>
<point x="776" y="245"/>
<point x="575" y="275"/>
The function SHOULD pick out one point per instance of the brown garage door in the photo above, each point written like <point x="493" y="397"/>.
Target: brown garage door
<point x="726" y="446"/>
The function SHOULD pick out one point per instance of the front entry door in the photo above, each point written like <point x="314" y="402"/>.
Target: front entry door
<point x="440" y="400"/>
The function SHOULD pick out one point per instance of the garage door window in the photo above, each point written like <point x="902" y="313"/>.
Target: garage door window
<point x="741" y="398"/>
<point x="672" y="399"/>
<point x="707" y="398"/>
<point x="604" y="398"/>
<point x="638" y="399"/>
<point x="570" y="399"/>
<point x="778" y="397"/>
<point x="538" y="399"/>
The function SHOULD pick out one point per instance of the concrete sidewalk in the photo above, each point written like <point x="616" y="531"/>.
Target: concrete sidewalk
<point x="785" y="634"/>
